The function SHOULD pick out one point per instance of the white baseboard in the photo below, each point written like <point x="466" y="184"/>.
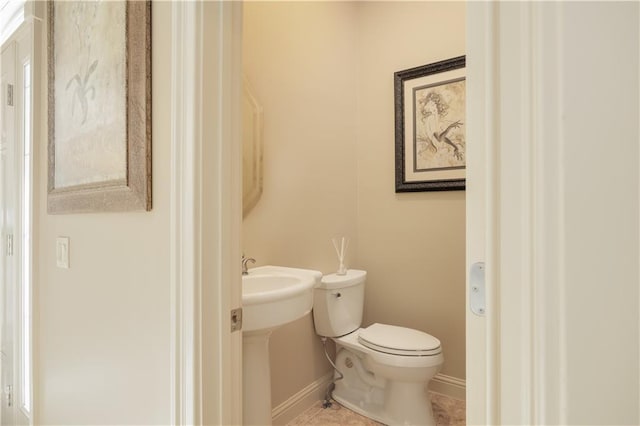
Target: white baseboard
<point x="449" y="386"/>
<point x="301" y="401"/>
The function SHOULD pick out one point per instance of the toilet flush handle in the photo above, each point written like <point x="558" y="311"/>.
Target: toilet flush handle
<point x="336" y="294"/>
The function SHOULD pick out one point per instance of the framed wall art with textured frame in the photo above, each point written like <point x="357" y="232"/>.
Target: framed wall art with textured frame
<point x="430" y="143"/>
<point x="99" y="116"/>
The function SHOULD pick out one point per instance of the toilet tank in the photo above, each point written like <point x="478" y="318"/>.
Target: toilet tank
<point x="338" y="302"/>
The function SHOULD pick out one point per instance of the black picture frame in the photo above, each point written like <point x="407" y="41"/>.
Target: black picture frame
<point x="429" y="149"/>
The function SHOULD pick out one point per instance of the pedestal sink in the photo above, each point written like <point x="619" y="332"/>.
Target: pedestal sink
<point x="271" y="297"/>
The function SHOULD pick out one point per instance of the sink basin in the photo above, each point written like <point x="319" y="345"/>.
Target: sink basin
<point x="275" y="295"/>
<point x="271" y="296"/>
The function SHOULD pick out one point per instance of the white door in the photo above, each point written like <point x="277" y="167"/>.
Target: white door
<point x="7" y="121"/>
<point x="15" y="225"/>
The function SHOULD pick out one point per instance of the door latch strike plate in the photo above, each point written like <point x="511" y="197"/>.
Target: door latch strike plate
<point x="10" y="245"/>
<point x="236" y="319"/>
<point x="477" y="301"/>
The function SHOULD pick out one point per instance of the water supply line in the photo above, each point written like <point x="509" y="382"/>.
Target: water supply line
<point x="327" y="397"/>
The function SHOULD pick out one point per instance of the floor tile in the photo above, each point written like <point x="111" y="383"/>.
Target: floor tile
<point x="446" y="410"/>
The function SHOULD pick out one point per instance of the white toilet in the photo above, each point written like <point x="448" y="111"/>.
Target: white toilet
<point x="386" y="368"/>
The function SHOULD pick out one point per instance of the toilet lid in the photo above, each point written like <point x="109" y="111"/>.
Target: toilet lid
<point x="399" y="340"/>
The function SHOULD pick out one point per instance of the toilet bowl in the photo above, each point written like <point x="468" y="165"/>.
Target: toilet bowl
<point x="387" y="383"/>
<point x="385" y="368"/>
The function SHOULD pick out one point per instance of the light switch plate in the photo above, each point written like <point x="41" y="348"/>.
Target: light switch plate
<point x="62" y="252"/>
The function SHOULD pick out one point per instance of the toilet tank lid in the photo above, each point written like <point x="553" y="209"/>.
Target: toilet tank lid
<point x="333" y="281"/>
<point x="399" y="338"/>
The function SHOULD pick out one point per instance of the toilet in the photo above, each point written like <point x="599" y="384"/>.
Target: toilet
<point x="386" y="368"/>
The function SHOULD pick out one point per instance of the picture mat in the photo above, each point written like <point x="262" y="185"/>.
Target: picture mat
<point x="412" y="175"/>
<point x="91" y="93"/>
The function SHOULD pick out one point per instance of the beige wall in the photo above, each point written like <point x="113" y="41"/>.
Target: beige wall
<point x="299" y="59"/>
<point x="411" y="244"/>
<point x="324" y="74"/>
<point x="102" y="327"/>
<point x="303" y="74"/>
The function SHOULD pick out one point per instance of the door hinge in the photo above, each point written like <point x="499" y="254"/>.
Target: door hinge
<point x="236" y="319"/>
<point x="10" y="94"/>
<point x="10" y="245"/>
<point x="8" y="394"/>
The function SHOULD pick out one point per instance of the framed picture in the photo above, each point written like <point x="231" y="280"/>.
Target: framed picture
<point x="430" y="127"/>
<point x="99" y="115"/>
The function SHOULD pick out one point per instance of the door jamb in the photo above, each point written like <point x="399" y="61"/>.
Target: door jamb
<point x="206" y="212"/>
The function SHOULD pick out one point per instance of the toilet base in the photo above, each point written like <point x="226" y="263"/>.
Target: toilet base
<point x="386" y="401"/>
<point x="378" y="412"/>
<point x="372" y="411"/>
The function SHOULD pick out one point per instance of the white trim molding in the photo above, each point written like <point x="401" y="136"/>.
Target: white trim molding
<point x="301" y="400"/>
<point x="480" y="364"/>
<point x="448" y="385"/>
<point x="206" y="212"/>
<point x="527" y="197"/>
<point x="515" y="180"/>
<point x="523" y="193"/>
<point x="12" y="14"/>
<point x="185" y="218"/>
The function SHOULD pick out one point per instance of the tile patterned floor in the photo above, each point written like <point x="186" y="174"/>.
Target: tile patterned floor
<point x="447" y="411"/>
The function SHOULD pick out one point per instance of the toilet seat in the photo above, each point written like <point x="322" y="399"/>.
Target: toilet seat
<point x="396" y="340"/>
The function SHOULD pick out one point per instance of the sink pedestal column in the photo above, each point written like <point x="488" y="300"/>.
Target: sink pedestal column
<point x="256" y="378"/>
<point x="272" y="296"/>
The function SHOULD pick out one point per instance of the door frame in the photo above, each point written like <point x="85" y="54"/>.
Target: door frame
<point x="21" y="42"/>
<point x="206" y="212"/>
<point x="516" y="361"/>
<point x="499" y="362"/>
<point x="514" y="213"/>
<point x="480" y="129"/>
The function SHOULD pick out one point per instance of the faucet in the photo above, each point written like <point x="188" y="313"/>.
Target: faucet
<point x="246" y="260"/>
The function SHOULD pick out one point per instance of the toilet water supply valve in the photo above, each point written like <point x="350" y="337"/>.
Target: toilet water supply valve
<point x="327" y="397"/>
<point x="341" y="244"/>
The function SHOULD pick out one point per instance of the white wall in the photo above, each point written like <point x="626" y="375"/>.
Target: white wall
<point x="600" y="94"/>
<point x="101" y="340"/>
